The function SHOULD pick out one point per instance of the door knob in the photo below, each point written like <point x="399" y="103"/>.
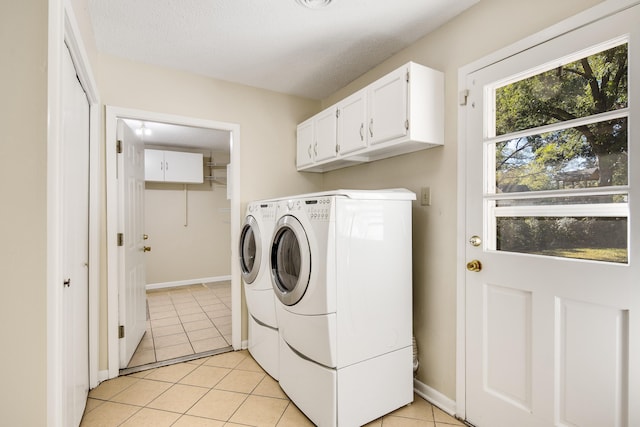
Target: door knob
<point x="474" y="266"/>
<point x="146" y="248"/>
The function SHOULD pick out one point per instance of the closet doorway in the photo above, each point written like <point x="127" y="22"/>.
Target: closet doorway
<point x="191" y="302"/>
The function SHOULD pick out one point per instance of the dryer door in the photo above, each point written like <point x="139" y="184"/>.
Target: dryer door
<point x="290" y="260"/>
<point x="250" y="250"/>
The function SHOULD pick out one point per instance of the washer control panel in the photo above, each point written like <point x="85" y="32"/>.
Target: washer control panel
<point x="268" y="211"/>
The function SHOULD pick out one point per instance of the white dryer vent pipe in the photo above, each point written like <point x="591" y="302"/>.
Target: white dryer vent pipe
<point x="415" y="355"/>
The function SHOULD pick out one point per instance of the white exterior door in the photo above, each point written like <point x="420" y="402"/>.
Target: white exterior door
<point x="552" y="295"/>
<point x="132" y="295"/>
<point x="75" y="158"/>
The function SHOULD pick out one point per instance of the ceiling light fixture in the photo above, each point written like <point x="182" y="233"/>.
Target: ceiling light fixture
<point x="314" y="4"/>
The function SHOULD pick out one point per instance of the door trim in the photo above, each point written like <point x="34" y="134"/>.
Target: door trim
<point x="586" y="17"/>
<point x="112" y="116"/>
<point x="63" y="29"/>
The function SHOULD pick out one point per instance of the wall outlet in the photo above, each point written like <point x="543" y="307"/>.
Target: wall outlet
<point x="425" y="196"/>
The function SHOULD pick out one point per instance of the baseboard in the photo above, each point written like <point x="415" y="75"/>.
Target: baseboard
<point x="434" y="397"/>
<point x="153" y="286"/>
<point x="244" y="344"/>
<point x="103" y="375"/>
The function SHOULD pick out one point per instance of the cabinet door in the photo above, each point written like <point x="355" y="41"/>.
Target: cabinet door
<point x="183" y="167"/>
<point x="153" y="165"/>
<point x="326" y="134"/>
<point x="352" y="132"/>
<point x="388" y="107"/>
<point x="305" y="143"/>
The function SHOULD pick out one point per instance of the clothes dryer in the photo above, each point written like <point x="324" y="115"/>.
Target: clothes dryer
<point x="255" y="236"/>
<point x="341" y="271"/>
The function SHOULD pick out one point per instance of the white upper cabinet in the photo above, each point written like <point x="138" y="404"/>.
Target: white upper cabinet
<point x="173" y="166"/>
<point x="388" y="107"/>
<point x="325" y="132"/>
<point x="305" y="137"/>
<point x="400" y="113"/>
<point x="352" y="117"/>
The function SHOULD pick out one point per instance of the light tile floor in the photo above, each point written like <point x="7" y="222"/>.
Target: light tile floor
<point x="228" y="389"/>
<point x="184" y="321"/>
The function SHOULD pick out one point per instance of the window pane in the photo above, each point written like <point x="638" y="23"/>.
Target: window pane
<point x="593" y="155"/>
<point x="591" y="238"/>
<point x="583" y="88"/>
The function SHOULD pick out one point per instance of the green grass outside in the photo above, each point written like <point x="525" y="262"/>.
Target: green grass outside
<point x="596" y="254"/>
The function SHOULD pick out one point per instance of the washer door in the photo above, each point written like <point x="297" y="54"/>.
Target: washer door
<point x="290" y="260"/>
<point x="250" y="250"/>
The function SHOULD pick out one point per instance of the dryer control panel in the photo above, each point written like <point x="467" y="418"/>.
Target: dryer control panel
<point x="319" y="209"/>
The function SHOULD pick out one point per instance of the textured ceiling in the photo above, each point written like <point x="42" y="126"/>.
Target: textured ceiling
<point x="271" y="44"/>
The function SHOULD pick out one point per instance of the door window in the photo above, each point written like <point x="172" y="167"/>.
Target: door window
<point x="557" y="158"/>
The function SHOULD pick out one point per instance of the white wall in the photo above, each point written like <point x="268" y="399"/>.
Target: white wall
<point x="485" y="28"/>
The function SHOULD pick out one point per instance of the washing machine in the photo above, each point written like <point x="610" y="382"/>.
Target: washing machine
<point x="255" y="237"/>
<point x="341" y="272"/>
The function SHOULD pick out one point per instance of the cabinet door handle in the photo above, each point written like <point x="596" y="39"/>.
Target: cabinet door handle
<point x="309" y="151"/>
<point x="161" y="165"/>
<point x="315" y="149"/>
<point x="361" y="131"/>
<point x="371" y="127"/>
<point x="166" y="166"/>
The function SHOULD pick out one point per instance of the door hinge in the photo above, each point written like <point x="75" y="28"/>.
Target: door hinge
<point x="463" y="96"/>
<point x="119" y="146"/>
<point x="337" y="113"/>
<point x="121" y="331"/>
<point x="406" y="124"/>
<point x="408" y="74"/>
<point x="120" y="239"/>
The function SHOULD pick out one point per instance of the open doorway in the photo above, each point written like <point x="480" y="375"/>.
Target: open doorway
<point x="192" y="302"/>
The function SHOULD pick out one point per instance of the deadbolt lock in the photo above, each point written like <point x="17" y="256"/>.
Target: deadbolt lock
<point x="147" y="249"/>
<point x="475" y="240"/>
<point x="474" y="266"/>
<point x="145" y="237"/>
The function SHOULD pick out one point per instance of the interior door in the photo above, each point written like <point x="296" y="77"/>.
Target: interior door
<point x="552" y="330"/>
<point x="132" y="294"/>
<point x="75" y="158"/>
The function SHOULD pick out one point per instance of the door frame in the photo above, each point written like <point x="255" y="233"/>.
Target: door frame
<point x="586" y="17"/>
<point x="113" y="209"/>
<point x="64" y="29"/>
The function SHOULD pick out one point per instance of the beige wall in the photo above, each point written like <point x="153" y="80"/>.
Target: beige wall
<point x="267" y="123"/>
<point x="189" y="234"/>
<point x="485" y="28"/>
<point x="23" y="212"/>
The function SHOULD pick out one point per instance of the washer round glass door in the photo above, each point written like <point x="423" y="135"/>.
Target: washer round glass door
<point x="250" y="250"/>
<point x="290" y="260"/>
